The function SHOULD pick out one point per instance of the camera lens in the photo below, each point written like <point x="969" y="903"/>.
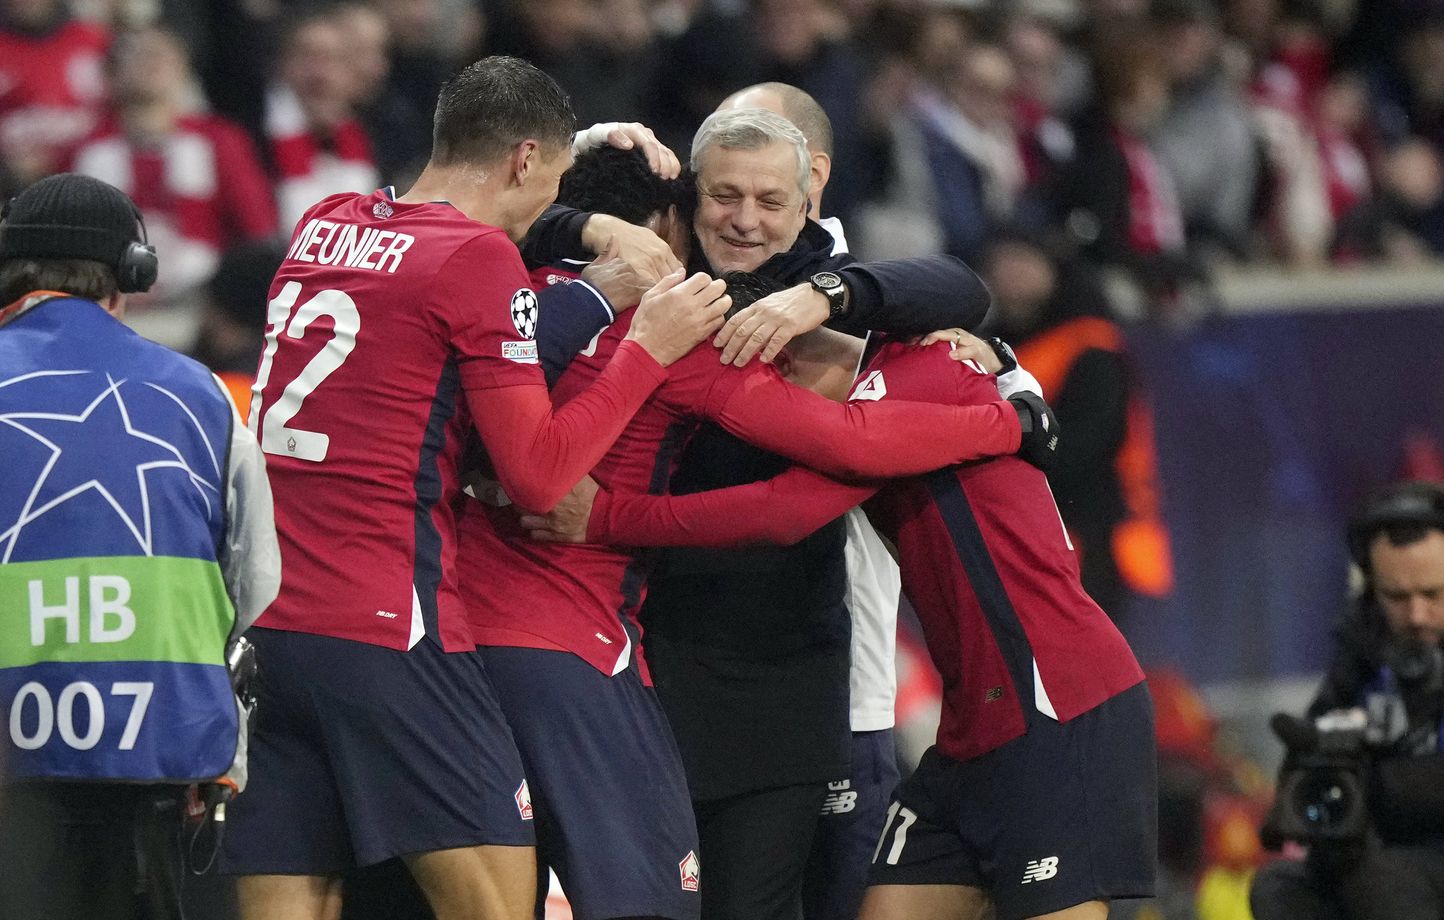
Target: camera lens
<point x="1324" y="800"/>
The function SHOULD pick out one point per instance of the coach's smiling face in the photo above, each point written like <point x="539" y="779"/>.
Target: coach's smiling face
<point x="750" y="205"/>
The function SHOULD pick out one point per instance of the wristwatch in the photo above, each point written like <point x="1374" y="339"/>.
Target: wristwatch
<point x="1004" y="351"/>
<point x="831" y="286"/>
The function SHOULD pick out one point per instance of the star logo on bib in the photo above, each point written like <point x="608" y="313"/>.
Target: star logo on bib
<point x="63" y="447"/>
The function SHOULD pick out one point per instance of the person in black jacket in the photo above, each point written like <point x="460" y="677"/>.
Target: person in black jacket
<point x="1389" y="665"/>
<point x="750" y="648"/>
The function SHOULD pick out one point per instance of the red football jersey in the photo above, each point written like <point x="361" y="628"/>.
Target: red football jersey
<point x="984" y="556"/>
<point x="992" y="575"/>
<point x="382" y="314"/>
<point x="584" y="598"/>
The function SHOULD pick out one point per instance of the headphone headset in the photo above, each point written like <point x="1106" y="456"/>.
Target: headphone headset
<point x="1406" y="503"/>
<point x="138" y="266"/>
<point x="135" y="270"/>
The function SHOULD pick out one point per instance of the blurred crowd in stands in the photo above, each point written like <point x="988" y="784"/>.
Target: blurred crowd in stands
<point x="1158" y="140"/>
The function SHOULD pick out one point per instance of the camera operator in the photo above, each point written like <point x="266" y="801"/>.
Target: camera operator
<point x="1364" y="780"/>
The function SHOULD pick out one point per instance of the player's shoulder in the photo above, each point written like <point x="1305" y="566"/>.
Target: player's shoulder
<point x="564" y="271"/>
<point x="921" y="373"/>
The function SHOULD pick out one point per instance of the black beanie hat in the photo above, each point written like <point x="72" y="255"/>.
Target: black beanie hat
<point x="69" y="216"/>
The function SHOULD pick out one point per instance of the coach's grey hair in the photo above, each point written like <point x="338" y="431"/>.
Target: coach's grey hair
<point x="752" y="129"/>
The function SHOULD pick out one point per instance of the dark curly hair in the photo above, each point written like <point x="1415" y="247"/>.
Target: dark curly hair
<point x="746" y="288"/>
<point x="607" y="180"/>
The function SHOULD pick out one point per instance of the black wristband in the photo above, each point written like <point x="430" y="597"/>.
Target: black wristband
<point x="1004" y="351"/>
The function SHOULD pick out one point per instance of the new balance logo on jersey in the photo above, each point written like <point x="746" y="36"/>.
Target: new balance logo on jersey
<point x="523" y="800"/>
<point x="1040" y="870"/>
<point x="691" y="871"/>
<point x="872" y="387"/>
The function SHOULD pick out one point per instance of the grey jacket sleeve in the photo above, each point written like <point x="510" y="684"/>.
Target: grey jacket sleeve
<point x="250" y="556"/>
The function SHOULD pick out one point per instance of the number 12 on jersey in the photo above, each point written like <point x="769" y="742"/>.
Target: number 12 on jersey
<point x="272" y="423"/>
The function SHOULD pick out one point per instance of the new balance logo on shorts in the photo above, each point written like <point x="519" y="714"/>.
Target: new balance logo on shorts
<point x="1040" y="870"/>
<point x="841" y="798"/>
<point x="691" y="871"/>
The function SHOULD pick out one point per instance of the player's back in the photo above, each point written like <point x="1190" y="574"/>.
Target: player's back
<point x="990" y="570"/>
<point x="358" y="405"/>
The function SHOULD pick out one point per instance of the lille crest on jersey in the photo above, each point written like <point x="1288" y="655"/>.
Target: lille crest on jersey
<point x="691" y="870"/>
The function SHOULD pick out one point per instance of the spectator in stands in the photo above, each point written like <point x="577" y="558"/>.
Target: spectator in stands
<point x="430" y="40"/>
<point x="600" y="52"/>
<point x="1341" y="125"/>
<point x="1404" y="223"/>
<point x="400" y="133"/>
<point x="971" y="145"/>
<point x="51" y="90"/>
<point x="1293" y="66"/>
<point x="1054" y="313"/>
<point x="1118" y="201"/>
<point x="1410" y="97"/>
<point x="806" y="44"/>
<point x="313" y="139"/>
<point x="1044" y="138"/>
<point x="195" y="177"/>
<point x="1206" y="139"/>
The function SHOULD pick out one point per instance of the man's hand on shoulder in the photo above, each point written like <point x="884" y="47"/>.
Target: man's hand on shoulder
<point x="567" y="522"/>
<point x="967" y="347"/>
<point x="678" y="313"/>
<point x="764" y="329"/>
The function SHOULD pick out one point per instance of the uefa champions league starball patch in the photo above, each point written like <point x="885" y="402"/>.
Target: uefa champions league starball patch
<point x="524" y="312"/>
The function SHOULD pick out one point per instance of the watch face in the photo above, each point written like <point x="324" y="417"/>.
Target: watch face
<point x="826" y="280"/>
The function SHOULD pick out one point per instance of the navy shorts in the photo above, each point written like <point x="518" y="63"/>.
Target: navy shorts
<point x="361" y="753"/>
<point x="614" y="819"/>
<point x="1065" y="814"/>
<point x="852" y="817"/>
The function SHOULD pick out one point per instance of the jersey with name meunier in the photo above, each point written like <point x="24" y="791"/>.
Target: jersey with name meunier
<point x="584" y="598"/>
<point x="990" y="570"/>
<point x="381" y="316"/>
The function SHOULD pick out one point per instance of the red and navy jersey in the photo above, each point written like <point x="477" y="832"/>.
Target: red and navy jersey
<point x="990" y="570"/>
<point x="546" y="276"/>
<point x="985" y="560"/>
<point x="584" y="598"/>
<point x="382" y="316"/>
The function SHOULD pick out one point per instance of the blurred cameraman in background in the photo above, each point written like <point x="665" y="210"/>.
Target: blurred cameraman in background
<point x="1363" y="781"/>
